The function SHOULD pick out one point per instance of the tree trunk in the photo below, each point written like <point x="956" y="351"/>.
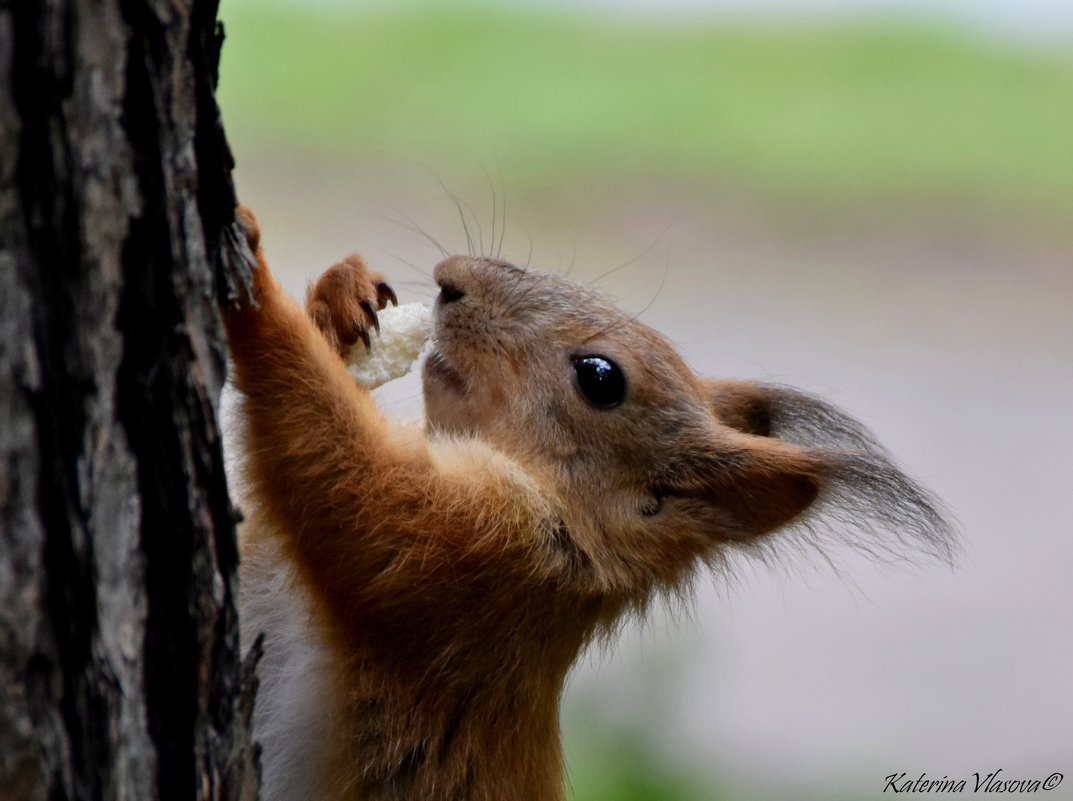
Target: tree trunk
<point x="120" y="676"/>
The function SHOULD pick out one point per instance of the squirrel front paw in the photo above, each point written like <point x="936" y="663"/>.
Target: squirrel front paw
<point x="261" y="281"/>
<point x="344" y="301"/>
<point x="250" y="225"/>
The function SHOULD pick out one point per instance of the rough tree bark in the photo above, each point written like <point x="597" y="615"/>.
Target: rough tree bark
<point x="120" y="676"/>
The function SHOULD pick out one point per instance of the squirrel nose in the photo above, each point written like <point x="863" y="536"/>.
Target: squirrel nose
<point x="449" y="292"/>
<point x="451" y="275"/>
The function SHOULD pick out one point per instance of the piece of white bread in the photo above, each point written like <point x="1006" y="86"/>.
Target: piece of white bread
<point x="404" y="331"/>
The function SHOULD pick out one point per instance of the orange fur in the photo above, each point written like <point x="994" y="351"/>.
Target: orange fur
<point x="456" y="579"/>
<point x="438" y="549"/>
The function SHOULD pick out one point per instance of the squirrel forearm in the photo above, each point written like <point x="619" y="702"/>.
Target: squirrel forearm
<point x="378" y="531"/>
<point x="311" y="434"/>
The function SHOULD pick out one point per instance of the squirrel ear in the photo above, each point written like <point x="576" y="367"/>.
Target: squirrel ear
<point x="784" y="438"/>
<point x="794" y="447"/>
<point x="746" y="485"/>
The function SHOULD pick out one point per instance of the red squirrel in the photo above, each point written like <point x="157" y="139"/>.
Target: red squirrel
<point x="423" y="596"/>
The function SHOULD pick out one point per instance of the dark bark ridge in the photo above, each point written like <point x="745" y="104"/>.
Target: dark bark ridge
<point x="120" y="674"/>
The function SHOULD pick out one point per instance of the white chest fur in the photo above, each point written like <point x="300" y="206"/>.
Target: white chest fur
<point x="292" y="709"/>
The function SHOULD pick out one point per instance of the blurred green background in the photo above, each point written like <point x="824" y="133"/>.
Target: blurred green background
<point x="878" y="206"/>
<point x="839" y="111"/>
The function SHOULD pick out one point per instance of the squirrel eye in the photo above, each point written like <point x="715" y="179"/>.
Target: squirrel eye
<point x="600" y="380"/>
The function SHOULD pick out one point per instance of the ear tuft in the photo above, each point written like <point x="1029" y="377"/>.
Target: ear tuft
<point x="772" y="410"/>
<point x="880" y="511"/>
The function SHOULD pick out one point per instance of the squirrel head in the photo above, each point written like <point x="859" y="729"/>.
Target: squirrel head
<point x="654" y="469"/>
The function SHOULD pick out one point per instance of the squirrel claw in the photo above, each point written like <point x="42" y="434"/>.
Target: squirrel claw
<point x="370" y="311"/>
<point x="384" y="293"/>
